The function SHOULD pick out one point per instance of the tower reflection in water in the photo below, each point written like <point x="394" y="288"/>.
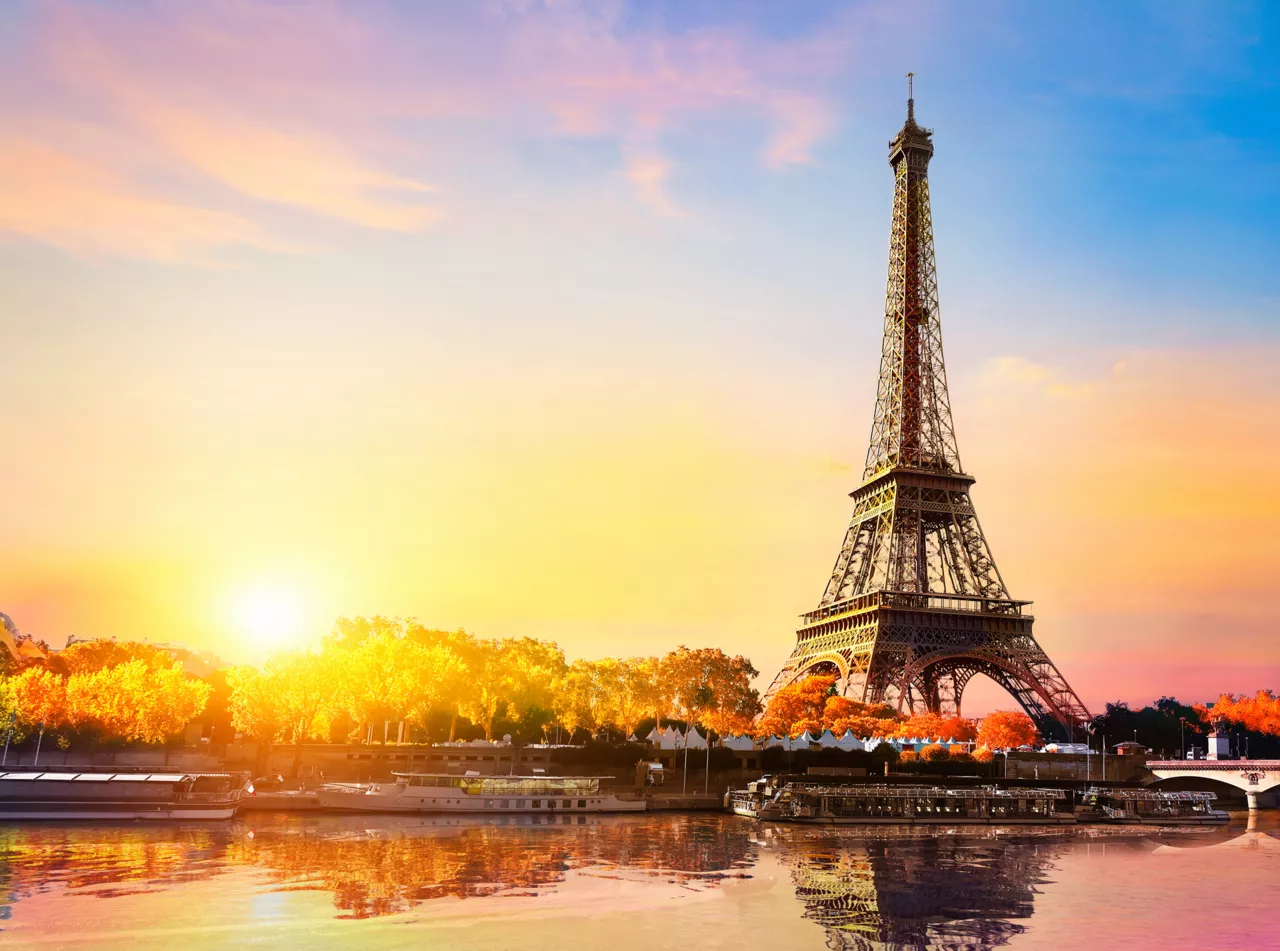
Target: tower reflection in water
<point x="917" y="891"/>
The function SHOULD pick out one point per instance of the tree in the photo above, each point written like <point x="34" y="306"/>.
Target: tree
<point x="517" y="675"/>
<point x="633" y="682"/>
<point x="586" y="694"/>
<point x="797" y="707"/>
<point x="136" y="701"/>
<point x="84" y="657"/>
<point x="1006" y="730"/>
<point x="255" y="703"/>
<point x="39" y="697"/>
<point x="1260" y="713"/>
<point x="935" y="753"/>
<point x="708" y="682"/>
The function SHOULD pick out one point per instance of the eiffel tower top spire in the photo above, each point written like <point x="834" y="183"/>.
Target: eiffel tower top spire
<point x="912" y="426"/>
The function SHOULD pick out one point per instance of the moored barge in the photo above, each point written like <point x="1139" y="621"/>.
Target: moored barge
<point x="1149" y="807"/>
<point x="489" y="795"/>
<point x="808" y="802"/>
<point x="67" y="794"/>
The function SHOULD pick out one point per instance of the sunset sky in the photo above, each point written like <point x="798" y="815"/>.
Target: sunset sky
<point x="563" y="318"/>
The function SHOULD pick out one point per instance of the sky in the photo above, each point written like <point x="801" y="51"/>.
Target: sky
<point x="562" y="319"/>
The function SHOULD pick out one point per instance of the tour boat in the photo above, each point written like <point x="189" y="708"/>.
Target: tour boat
<point x="490" y="795"/>
<point x="756" y="801"/>
<point x="809" y="802"/>
<point x="1149" y="807"/>
<point x="67" y="794"/>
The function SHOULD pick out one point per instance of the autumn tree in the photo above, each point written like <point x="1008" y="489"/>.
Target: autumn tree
<point x="797" y="707"/>
<point x="585" y="695"/>
<point x="1260" y="713"/>
<point x="84" y="657"/>
<point x="633" y="681"/>
<point x="515" y="674"/>
<point x="39" y="697"/>
<point x="1006" y="730"/>
<point x="137" y="701"/>
<point x="933" y="726"/>
<point x="864" y="720"/>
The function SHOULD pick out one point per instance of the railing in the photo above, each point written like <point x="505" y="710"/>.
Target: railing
<point x="921" y="601"/>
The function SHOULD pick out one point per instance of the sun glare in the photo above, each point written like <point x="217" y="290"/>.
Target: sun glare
<point x="268" y="618"/>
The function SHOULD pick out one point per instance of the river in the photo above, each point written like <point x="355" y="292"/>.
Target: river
<point x="651" y="882"/>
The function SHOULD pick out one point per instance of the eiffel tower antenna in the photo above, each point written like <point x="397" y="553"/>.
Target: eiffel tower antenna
<point x="915" y="605"/>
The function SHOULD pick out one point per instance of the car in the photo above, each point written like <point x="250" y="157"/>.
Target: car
<point x="269" y="782"/>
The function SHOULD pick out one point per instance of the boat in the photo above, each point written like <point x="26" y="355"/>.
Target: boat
<point x="1149" y="807"/>
<point x="489" y="795"/>
<point x="809" y="802"/>
<point x="756" y="801"/>
<point x="68" y="794"/>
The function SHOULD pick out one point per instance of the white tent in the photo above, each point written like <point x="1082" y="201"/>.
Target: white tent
<point x="849" y="741"/>
<point x="743" y="742"/>
<point x="671" y="739"/>
<point x="696" y="740"/>
<point x="778" y="741"/>
<point x="804" y="741"/>
<point x="828" y="740"/>
<point x="654" y="735"/>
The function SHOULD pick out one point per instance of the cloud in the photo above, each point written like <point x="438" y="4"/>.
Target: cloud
<point x="1001" y="375"/>
<point x="335" y="109"/>
<point x="802" y="121"/>
<point x="57" y="199"/>
<point x="648" y="173"/>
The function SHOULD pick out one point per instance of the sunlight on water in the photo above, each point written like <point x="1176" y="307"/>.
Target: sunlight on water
<point x="651" y="881"/>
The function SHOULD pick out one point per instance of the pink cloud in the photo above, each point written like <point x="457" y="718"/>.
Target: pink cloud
<point x="318" y="106"/>
<point x="57" y="199"/>
<point x="648" y="173"/>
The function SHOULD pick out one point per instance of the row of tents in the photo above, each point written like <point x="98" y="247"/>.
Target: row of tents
<point x="671" y="738"/>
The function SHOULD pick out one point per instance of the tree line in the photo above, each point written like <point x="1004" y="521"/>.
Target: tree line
<point x="374" y="679"/>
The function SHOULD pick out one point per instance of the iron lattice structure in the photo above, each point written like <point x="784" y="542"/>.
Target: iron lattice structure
<point x="916" y="606"/>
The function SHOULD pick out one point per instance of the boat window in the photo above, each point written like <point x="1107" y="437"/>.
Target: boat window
<point x="488" y="803"/>
<point x="537" y="804"/>
<point x="506" y="804"/>
<point x="582" y="804"/>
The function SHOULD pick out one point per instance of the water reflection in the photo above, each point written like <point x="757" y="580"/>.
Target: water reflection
<point x="935" y="891"/>
<point x="867" y="889"/>
<point x="390" y="866"/>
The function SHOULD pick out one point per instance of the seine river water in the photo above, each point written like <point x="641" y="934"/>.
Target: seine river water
<point x="649" y="882"/>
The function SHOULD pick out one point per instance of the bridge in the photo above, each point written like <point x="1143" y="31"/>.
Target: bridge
<point x="1253" y="776"/>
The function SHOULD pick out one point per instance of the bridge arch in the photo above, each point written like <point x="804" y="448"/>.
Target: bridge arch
<point x="1255" y="778"/>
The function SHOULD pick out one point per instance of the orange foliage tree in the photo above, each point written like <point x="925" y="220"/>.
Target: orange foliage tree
<point x="797" y="707"/>
<point x="1006" y="730"/>
<point x="136" y="701"/>
<point x="1260" y="713"/>
<point x="40" y="697"/>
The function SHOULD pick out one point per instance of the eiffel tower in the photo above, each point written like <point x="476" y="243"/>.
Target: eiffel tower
<point x="916" y="606"/>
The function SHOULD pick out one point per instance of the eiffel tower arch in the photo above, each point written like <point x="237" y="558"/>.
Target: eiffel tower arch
<point x="915" y="606"/>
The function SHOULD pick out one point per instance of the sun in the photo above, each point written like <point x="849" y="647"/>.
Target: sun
<point x="268" y="617"/>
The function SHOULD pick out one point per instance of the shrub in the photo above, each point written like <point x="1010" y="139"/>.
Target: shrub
<point x="935" y="753"/>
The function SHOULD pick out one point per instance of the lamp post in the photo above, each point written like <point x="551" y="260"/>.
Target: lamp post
<point x="1182" y="740"/>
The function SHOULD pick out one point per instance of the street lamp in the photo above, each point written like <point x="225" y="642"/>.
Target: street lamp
<point x="1182" y="749"/>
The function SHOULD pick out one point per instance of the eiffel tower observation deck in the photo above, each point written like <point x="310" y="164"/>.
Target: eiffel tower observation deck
<point x="915" y="605"/>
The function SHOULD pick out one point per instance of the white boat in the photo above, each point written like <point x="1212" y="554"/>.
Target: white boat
<point x="488" y="795"/>
<point x="68" y="794"/>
